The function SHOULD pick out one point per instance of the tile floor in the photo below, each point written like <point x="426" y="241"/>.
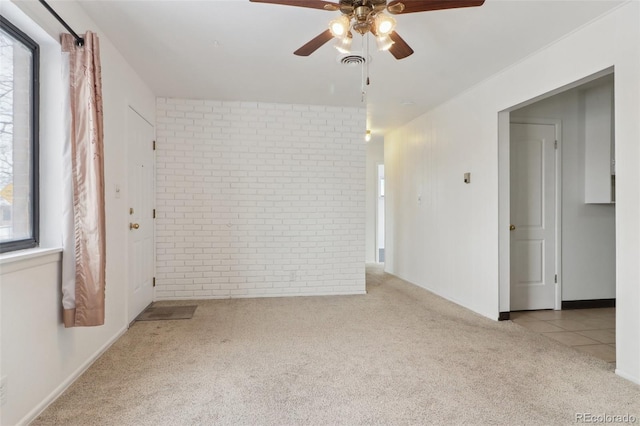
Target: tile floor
<point x="589" y="330"/>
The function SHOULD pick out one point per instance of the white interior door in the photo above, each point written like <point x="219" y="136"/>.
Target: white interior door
<point x="141" y="185"/>
<point x="533" y="216"/>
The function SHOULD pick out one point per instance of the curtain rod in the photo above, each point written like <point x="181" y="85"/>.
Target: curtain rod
<point x="79" y="40"/>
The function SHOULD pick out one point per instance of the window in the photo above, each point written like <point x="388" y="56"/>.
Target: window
<point x="19" y="60"/>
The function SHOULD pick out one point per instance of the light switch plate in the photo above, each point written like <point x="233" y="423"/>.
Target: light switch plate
<point x="467" y="177"/>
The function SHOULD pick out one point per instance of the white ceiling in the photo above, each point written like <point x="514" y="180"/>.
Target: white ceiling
<point x="237" y="50"/>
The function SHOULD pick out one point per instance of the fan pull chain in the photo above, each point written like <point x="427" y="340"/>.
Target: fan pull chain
<point x="362" y="88"/>
<point x="366" y="59"/>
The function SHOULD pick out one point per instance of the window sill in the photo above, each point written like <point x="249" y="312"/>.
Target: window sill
<point x="30" y="258"/>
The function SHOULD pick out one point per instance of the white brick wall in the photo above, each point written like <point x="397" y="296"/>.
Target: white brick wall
<point x="257" y="199"/>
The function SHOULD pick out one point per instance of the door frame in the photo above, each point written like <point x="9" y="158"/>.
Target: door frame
<point x="504" y="220"/>
<point x="126" y="210"/>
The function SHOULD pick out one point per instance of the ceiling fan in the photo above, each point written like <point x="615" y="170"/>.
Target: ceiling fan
<point x="364" y="16"/>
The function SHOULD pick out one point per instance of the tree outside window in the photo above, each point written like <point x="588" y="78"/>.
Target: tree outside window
<point x="18" y="139"/>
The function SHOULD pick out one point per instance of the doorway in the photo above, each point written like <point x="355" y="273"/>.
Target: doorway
<point x="585" y="200"/>
<point x="141" y="213"/>
<point x="380" y="214"/>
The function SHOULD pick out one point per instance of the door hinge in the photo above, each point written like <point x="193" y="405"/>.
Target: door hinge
<point x="556" y="279"/>
<point x="154" y="145"/>
<point x="555" y="145"/>
<point x="154" y="281"/>
<point x="154" y="213"/>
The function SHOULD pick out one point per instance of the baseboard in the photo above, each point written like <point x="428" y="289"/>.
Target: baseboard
<point x="491" y="316"/>
<point x="629" y="377"/>
<point x="39" y="409"/>
<point x="261" y="296"/>
<point x="588" y="304"/>
<point x="504" y="316"/>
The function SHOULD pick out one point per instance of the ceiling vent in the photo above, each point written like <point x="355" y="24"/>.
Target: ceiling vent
<point x="352" y="59"/>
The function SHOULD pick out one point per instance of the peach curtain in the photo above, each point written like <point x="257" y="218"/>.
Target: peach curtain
<point x="83" y="284"/>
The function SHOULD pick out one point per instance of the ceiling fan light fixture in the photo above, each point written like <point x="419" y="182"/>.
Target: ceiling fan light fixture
<point x="343" y="45"/>
<point x="384" y="42"/>
<point x="339" y="27"/>
<point x="385" y="24"/>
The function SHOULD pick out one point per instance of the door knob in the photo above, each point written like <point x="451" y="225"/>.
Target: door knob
<point x="512" y="227"/>
<point x="134" y="226"/>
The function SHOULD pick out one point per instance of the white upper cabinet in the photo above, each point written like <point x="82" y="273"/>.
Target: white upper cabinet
<point x="599" y="185"/>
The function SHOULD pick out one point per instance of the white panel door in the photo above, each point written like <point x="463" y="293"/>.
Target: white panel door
<point x="141" y="184"/>
<point x="533" y="216"/>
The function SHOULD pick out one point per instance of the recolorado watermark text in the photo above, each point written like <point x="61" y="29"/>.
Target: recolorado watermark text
<point x="605" y="418"/>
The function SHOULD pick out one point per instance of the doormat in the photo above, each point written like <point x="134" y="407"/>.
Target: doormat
<point x="155" y="313"/>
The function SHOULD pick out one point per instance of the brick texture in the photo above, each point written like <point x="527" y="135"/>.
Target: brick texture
<point x="259" y="199"/>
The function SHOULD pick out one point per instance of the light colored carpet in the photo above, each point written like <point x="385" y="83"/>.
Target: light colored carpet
<point x="398" y="355"/>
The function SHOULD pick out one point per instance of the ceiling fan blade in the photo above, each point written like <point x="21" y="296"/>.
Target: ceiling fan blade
<point x="400" y="49"/>
<point x="314" y="44"/>
<point x="313" y="4"/>
<point x="412" y="6"/>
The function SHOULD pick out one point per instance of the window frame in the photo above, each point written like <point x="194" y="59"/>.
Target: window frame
<point x="34" y="47"/>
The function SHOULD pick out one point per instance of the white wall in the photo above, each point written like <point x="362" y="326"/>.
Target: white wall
<point x="449" y="241"/>
<point x="375" y="156"/>
<point x="39" y="356"/>
<point x="588" y="230"/>
<point x="259" y="199"/>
